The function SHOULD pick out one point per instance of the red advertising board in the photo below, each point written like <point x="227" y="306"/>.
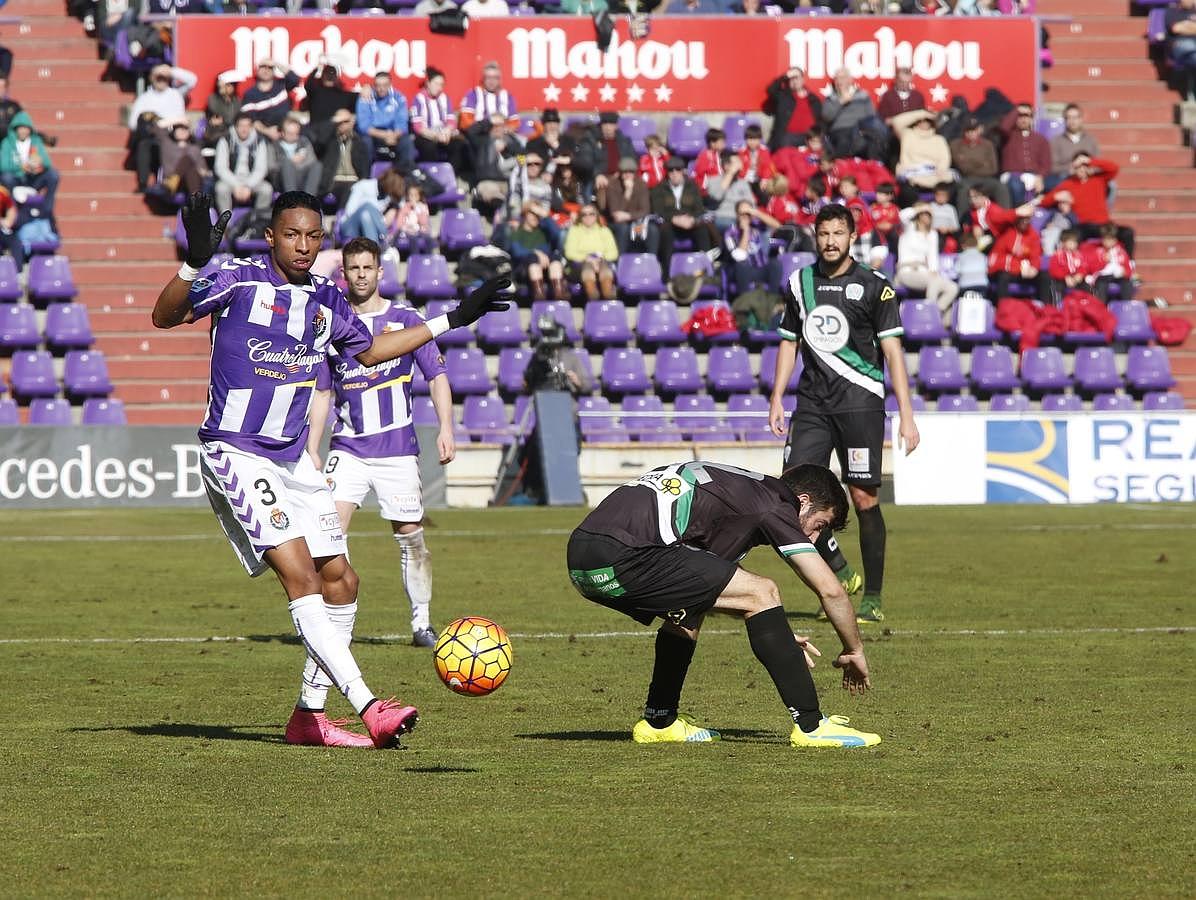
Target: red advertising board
<point x="685" y="63"/>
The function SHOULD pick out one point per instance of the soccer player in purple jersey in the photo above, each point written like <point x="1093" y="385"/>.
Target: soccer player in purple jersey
<point x="374" y="446"/>
<point x="273" y="325"/>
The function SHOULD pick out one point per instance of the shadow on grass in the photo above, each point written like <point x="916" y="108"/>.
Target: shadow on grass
<point x="202" y="732"/>
<point x="440" y="770"/>
<point x="740" y="735"/>
<point x="294" y="639"/>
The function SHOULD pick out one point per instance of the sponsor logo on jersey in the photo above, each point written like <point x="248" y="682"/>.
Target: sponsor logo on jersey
<point x="331" y="484"/>
<point x="279" y="519"/>
<point x="269" y="373"/>
<point x="826" y="329"/>
<point x="330" y="522"/>
<point x="837" y="288"/>
<point x="319" y="322"/>
<point x="273" y="307"/>
<point x="854" y="292"/>
<point x="857" y="459"/>
<point x="201" y="284"/>
<point x="887" y="294"/>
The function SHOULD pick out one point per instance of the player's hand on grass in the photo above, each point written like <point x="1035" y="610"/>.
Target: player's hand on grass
<point x="807" y="648"/>
<point x="776" y="417"/>
<point x="855" y="671"/>
<point x="203" y="238"/>
<point x="907" y="433"/>
<point x="480" y="302"/>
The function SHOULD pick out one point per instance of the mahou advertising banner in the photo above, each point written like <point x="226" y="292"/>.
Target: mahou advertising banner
<point x="684" y="64"/>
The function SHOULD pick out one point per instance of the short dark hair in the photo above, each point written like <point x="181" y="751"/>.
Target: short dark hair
<point x="1072" y="106"/>
<point x="886" y="187"/>
<point x="294" y="200"/>
<point x="982" y="189"/>
<point x="833" y="212"/>
<point x="1108" y="230"/>
<point x="818" y="183"/>
<point x="242" y="115"/>
<point x="753" y="131"/>
<point x="823" y="488"/>
<point x="1069" y="234"/>
<point x="359" y="245"/>
<point x="944" y="186"/>
<point x="714" y="134"/>
<point x="1080" y="153"/>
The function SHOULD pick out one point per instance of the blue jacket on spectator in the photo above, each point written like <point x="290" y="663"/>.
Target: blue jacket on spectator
<point x="388" y="113"/>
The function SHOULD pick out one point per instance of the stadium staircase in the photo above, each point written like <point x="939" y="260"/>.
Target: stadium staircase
<point x="1102" y="62"/>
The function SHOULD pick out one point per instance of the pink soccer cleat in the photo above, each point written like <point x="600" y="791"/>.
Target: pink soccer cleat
<point x="314" y="729"/>
<point x="387" y="721"/>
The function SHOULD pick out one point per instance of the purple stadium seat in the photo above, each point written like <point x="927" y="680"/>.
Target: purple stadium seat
<point x="454" y="337"/>
<point x="104" y="411"/>
<point x="50" y="279"/>
<point x="605" y="324"/>
<point x="1133" y="322"/>
<point x="638" y="275"/>
<point x="501" y="328"/>
<point x="922" y="321"/>
<point x="583" y="120"/>
<point x="791" y="262"/>
<point x="512" y="363"/>
<point x="1049" y="128"/>
<point x="18" y="327"/>
<point x="442" y="175"/>
<point x="623" y="372"/>
<point x="645" y="427"/>
<point x="916" y="402"/>
<point x="1009" y="403"/>
<point x="1043" y="370"/>
<point x="423" y="412"/>
<point x="428" y="278"/>
<point x="466" y="369"/>
<point x="529" y="123"/>
<point x="85" y="374"/>
<point x="1096" y="370"/>
<point x="461" y="229"/>
<point x="729" y="371"/>
<point x="556" y="309"/>
<point x="1156" y="25"/>
<point x="1062" y="403"/>
<point x="68" y="327"/>
<point x="389" y="284"/>
<point x="9" y="416"/>
<point x="10" y="281"/>
<point x="677" y="371"/>
<point x="939" y="370"/>
<point x="485" y="419"/>
<point x="990" y="333"/>
<point x="45" y="411"/>
<point x="698" y="427"/>
<point x="657" y="323"/>
<point x="993" y="370"/>
<point x="691" y="263"/>
<point x="638" y="130"/>
<point x="768" y="371"/>
<point x="957" y="403"/>
<point x="1148" y="369"/>
<point x="1162" y="400"/>
<point x="602" y="426"/>
<point x="523" y="420"/>
<point x="687" y="136"/>
<point x="734" y="126"/>
<point x="32" y="375"/>
<point x="752" y="422"/>
<point x="1116" y="402"/>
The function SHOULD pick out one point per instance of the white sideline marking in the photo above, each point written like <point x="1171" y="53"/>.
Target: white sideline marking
<point x="217" y="536"/>
<point x="555" y="635"/>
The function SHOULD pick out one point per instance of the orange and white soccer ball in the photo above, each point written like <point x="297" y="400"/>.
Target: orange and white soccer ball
<point x="473" y="656"/>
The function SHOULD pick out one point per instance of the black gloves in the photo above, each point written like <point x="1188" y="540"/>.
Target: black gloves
<point x="203" y="238"/>
<point x="480" y="302"/>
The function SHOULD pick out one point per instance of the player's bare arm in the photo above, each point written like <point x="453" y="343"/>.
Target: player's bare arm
<point x="907" y="430"/>
<point x="442" y="402"/>
<point x="173" y="307"/>
<point x="786" y="360"/>
<point x="321" y="403"/>
<point x="813" y="570"/>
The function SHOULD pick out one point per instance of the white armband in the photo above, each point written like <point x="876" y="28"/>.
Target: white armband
<point x="438" y="326"/>
<point x="188" y="273"/>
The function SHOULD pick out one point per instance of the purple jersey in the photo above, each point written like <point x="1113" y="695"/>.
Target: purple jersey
<point x="373" y="404"/>
<point x="269" y="338"/>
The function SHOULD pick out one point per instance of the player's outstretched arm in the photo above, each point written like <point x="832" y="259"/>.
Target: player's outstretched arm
<point x="321" y="402"/>
<point x="817" y="575"/>
<point x="786" y="360"/>
<point x="203" y="238"/>
<point x="907" y="431"/>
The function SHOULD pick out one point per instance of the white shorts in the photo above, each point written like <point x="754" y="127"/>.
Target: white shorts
<point x="262" y="504"/>
<point x="395" y="480"/>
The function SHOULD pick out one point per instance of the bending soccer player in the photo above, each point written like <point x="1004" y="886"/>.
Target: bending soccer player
<point x="845" y="317"/>
<point x="666" y="546"/>
<point x="374" y="446"/>
<point x="273" y="325"/>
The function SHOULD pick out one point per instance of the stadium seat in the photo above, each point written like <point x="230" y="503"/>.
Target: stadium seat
<point x="501" y="328"/>
<point x="597" y="422"/>
<point x="729" y="371"/>
<point x="1062" y="403"/>
<point x="1148" y="369"/>
<point x="989" y="334"/>
<point x="605" y="324"/>
<point x="85" y="374"/>
<point x="694" y="263"/>
<point x="657" y="323"/>
<point x="1049" y="127"/>
<point x="1133" y="322"/>
<point x="733" y="127"/>
<point x="677" y="371"/>
<point x="461" y="229"/>
<point x="637" y="129"/>
<point x="751" y="423"/>
<point x="466" y="369"/>
<point x="922" y="322"/>
<point x="768" y="371"/>
<point x="1156" y="26"/>
<point x="1015" y="403"/>
<point x="993" y="370"/>
<point x="512" y="363"/>
<point x="68" y="327"/>
<point x="10" y="281"/>
<point x="939" y="370"/>
<point x="104" y="411"/>
<point x="957" y="403"/>
<point x="638" y="275"/>
<point x="32" y="375"/>
<point x="1162" y="400"/>
<point x="50" y="279"/>
<point x="581" y="120"/>
<point x="623" y="372"/>
<point x="529" y="125"/>
<point x="1096" y="370"/>
<point x="428" y="278"/>
<point x="642" y="425"/>
<point x="523" y="419"/>
<point x="389" y="284"/>
<point x="700" y="427"/>
<point x="485" y="419"/>
<point x="423" y="412"/>
<point x="791" y="262"/>
<point x="1117" y="402"/>
<point x="18" y="327"/>
<point x="687" y="136"/>
<point x="48" y="411"/>
<point x="1043" y="370"/>
<point x="442" y="176"/>
<point x="9" y="416"/>
<point x="460" y="336"/>
<point x="561" y="311"/>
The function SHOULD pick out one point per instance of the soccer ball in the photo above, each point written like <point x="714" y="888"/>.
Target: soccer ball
<point x="473" y="656"/>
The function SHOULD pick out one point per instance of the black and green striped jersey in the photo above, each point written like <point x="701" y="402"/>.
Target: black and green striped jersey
<point x="839" y="322"/>
<point x="710" y="506"/>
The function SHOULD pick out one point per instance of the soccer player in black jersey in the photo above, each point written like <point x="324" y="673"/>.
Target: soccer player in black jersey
<point x="844" y="316"/>
<point x="667" y="545"/>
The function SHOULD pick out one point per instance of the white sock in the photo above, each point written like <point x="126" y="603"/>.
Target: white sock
<point x="417" y="576"/>
<point x="328" y="648"/>
<point x="313" y="691"/>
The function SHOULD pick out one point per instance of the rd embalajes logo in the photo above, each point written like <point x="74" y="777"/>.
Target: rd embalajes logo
<point x="1026" y="462"/>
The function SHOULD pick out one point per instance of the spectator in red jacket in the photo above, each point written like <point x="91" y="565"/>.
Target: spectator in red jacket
<point x="1068" y="268"/>
<point x="849" y="196"/>
<point x="1088" y="186"/>
<point x="653" y="163"/>
<point x="781" y="204"/>
<point x="886" y="216"/>
<point x="756" y="159"/>
<point x="1016" y="255"/>
<point x="989" y="219"/>
<point x="709" y="162"/>
<point x="1026" y="156"/>
<point x="1108" y="262"/>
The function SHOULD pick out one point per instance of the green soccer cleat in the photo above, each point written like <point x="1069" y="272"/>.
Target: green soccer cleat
<point x="832" y="731"/>
<point x="682" y="731"/>
<point x="870" y="612"/>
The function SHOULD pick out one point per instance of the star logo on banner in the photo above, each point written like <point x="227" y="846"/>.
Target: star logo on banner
<point x="606" y="93"/>
<point x="580" y="93"/>
<point x="552" y="93"/>
<point x="635" y="94"/>
<point x="938" y="94"/>
<point x="881" y="91"/>
<point x="664" y="93"/>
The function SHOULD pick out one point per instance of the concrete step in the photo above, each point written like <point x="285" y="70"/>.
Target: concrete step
<point x="1148" y="109"/>
<point x="107" y="160"/>
<point x="1097" y="27"/>
<point x="40" y="91"/>
<point x="1170" y="247"/>
<point x="1157" y="179"/>
<point x="122" y="321"/>
<point x="1147" y="201"/>
<point x="1090" y="8"/>
<point x="182" y="341"/>
<point x="61" y="118"/>
<point x="56" y="71"/>
<point x="1179" y="294"/>
<point x="1101" y="50"/>
<point x="1160" y="270"/>
<point x="100" y="298"/>
<point x="1121" y="134"/>
<point x="153" y="369"/>
<point x="1087" y="68"/>
<point x="59" y="48"/>
<point x="1149" y="157"/>
<point x="34" y="8"/>
<point x="1123" y="92"/>
<point x="172" y="390"/>
<point x="1155" y="225"/>
<point x="151" y="275"/>
<point x="55" y="27"/>
<point x="166" y="414"/>
<point x="1183" y="362"/>
<point x="119" y="248"/>
<point x="145" y="226"/>
<point x="108" y="203"/>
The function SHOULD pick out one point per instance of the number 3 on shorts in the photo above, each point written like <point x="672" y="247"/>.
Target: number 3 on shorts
<point x="266" y="491"/>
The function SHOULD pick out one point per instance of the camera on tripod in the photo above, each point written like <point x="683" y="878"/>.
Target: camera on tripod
<point x="548" y="369"/>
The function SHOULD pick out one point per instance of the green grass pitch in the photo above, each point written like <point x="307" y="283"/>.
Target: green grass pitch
<point x="1034" y="689"/>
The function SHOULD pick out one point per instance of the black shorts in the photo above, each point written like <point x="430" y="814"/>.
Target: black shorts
<point x="857" y="438"/>
<point x="676" y="583"/>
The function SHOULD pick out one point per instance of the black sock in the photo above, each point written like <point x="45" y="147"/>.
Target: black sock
<point x="778" y="651"/>
<point x="828" y="549"/>
<point x="673" y="654"/>
<point x="872" y="548"/>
